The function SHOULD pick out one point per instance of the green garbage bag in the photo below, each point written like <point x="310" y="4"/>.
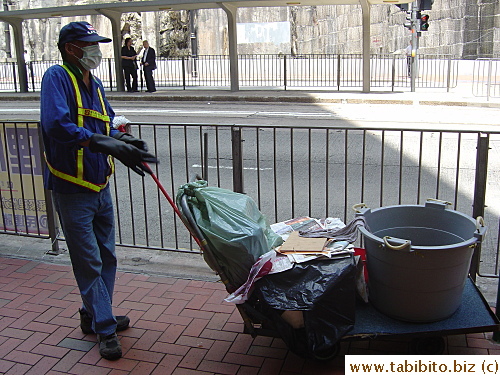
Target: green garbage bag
<point x="235" y="229"/>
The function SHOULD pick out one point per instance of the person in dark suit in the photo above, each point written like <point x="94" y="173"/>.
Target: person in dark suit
<point x="148" y="63"/>
<point x="129" y="65"/>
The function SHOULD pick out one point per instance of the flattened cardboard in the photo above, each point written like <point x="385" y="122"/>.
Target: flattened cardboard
<point x="295" y="243"/>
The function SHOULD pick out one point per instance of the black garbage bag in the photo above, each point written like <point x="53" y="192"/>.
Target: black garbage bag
<point x="322" y="292"/>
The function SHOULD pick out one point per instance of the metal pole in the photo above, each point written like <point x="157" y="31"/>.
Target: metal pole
<point x="338" y="72"/>
<point x="479" y="194"/>
<point x="205" y="157"/>
<point x="32" y="76"/>
<point x="194" y="43"/>
<point x="488" y="83"/>
<point x="284" y="71"/>
<point x="183" y="73"/>
<point x="51" y="212"/>
<point x="365" y="14"/>
<point x="14" y="75"/>
<point x="110" y="72"/>
<point x="237" y="153"/>
<point x="414" y="44"/>
<point x="8" y="48"/>
<point x="231" y="11"/>
<point x="115" y="19"/>
<point x="393" y="72"/>
<point x="448" y="77"/>
<point x="141" y="71"/>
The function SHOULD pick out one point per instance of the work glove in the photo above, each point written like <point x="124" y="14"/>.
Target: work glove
<point x="128" y="154"/>
<point x="130" y="139"/>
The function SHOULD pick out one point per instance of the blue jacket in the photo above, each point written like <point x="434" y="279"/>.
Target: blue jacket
<point x="61" y="134"/>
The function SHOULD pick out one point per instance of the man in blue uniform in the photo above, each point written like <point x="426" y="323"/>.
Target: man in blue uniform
<point x="80" y="145"/>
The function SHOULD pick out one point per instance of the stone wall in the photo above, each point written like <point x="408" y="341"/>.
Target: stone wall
<point x="463" y="28"/>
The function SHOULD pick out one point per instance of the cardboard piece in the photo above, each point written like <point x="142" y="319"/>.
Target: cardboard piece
<point x="295" y="243"/>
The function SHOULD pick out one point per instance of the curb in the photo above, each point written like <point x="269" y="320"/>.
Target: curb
<point x="297" y="99"/>
<point x="259" y="98"/>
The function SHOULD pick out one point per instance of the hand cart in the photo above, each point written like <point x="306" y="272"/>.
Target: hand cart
<point x="473" y="316"/>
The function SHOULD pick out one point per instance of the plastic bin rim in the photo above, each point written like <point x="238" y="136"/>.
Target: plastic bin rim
<point x="471" y="241"/>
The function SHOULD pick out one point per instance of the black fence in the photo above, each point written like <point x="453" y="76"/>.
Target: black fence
<point x="289" y="171"/>
<point x="337" y="71"/>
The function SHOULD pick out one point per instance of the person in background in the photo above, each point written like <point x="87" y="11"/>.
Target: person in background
<point x="27" y="61"/>
<point x="76" y="119"/>
<point x="408" y="52"/>
<point x="129" y="65"/>
<point x="148" y="62"/>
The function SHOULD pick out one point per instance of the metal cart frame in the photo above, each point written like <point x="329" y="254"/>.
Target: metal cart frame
<point x="473" y="316"/>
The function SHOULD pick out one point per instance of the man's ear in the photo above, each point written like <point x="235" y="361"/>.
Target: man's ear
<point x="70" y="49"/>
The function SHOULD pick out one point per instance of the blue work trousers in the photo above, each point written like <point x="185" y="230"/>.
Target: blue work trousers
<point x="87" y="220"/>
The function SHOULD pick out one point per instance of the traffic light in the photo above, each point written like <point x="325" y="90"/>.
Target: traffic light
<point x="424" y="22"/>
<point x="408" y="23"/>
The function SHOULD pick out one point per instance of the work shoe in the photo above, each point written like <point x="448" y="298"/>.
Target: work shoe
<point x="122" y="322"/>
<point x="109" y="346"/>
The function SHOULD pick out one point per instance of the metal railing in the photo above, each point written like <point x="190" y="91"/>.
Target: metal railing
<point x="338" y="71"/>
<point x="317" y="172"/>
<point x="288" y="171"/>
<point x="486" y="79"/>
<point x="26" y="207"/>
<point x="8" y="77"/>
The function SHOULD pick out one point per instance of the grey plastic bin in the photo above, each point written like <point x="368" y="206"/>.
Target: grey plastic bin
<point x="418" y="259"/>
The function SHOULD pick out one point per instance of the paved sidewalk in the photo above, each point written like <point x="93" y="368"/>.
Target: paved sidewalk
<point x="179" y="322"/>
<point x="178" y="326"/>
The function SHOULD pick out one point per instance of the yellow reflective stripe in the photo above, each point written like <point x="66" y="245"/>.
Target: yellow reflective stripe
<point x="92" y="113"/>
<point x="78" y="95"/>
<point x="81" y="113"/>
<point x="111" y="163"/>
<point x="75" y="180"/>
<point x="104" y="112"/>
<point x="79" y="163"/>
<point x="101" y="99"/>
<point x="79" y="105"/>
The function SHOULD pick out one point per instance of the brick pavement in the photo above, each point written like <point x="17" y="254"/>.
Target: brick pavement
<point x="178" y="326"/>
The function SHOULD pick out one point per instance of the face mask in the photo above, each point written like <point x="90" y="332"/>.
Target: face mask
<point x="91" y="58"/>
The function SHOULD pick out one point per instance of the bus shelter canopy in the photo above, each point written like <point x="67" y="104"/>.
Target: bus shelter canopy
<point x="165" y="5"/>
